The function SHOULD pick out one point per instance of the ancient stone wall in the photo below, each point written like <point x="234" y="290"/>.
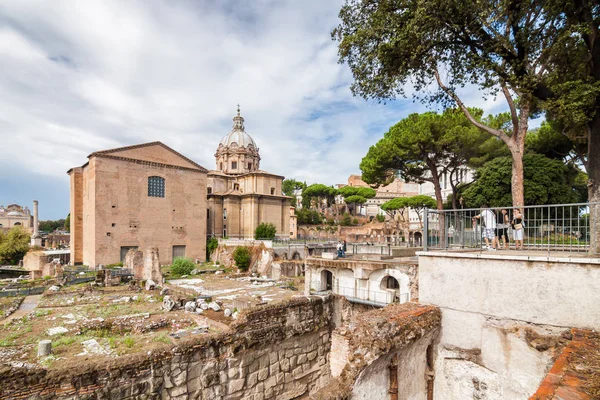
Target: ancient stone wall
<point x="274" y="352"/>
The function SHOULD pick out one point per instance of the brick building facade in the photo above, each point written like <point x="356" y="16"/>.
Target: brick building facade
<point x="137" y="197"/>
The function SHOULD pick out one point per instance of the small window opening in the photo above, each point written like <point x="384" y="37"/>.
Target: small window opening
<point x="113" y="224"/>
<point x="156" y="186"/>
<point x="249" y="166"/>
<point x="209" y="190"/>
<point x="224" y="213"/>
<point x="234" y="165"/>
<point x="236" y="186"/>
<point x="272" y="190"/>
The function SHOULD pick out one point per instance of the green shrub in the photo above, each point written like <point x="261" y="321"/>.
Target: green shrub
<point x="346" y="220"/>
<point x="265" y="231"/>
<point x="242" y="257"/>
<point x="182" y="266"/>
<point x="211" y="246"/>
<point x="380" y="217"/>
<point x="355" y="221"/>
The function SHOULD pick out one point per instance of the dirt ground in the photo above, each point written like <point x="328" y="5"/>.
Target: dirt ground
<point x="119" y="326"/>
<point x="108" y="322"/>
<point x="238" y="293"/>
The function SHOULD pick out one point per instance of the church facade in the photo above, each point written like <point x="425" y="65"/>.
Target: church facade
<point x="240" y="194"/>
<point x="141" y="196"/>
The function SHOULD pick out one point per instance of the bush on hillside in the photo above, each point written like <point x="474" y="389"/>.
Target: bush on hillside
<point x="242" y="257"/>
<point x="182" y="266"/>
<point x="211" y="246"/>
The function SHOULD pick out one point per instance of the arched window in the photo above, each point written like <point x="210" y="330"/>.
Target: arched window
<point x="209" y="190"/>
<point x="156" y="186"/>
<point x="389" y="282"/>
<point x="17" y="223"/>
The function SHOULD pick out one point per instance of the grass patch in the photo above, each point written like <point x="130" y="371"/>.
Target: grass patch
<point x="162" y="338"/>
<point x="42" y="313"/>
<point x="63" y="341"/>
<point x="48" y="361"/>
<point x="129" y="342"/>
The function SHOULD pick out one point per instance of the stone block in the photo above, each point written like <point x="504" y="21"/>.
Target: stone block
<point x="235" y="385"/>
<point x="252" y="379"/>
<point x="269" y="393"/>
<point x="263" y="374"/>
<point x="274" y="368"/>
<point x="273" y="357"/>
<point x="311" y="356"/>
<point x="284" y="364"/>
<point x="264" y="361"/>
<point x="270" y="382"/>
<point x="301" y="359"/>
<point x="293" y="361"/>
<point x="223" y="377"/>
<point x="253" y="367"/>
<point x="297" y="373"/>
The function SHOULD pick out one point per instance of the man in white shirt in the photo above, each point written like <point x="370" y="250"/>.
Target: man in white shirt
<point x="488" y="219"/>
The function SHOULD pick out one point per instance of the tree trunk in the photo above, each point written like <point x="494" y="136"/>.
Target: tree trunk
<point x="594" y="182"/>
<point x="440" y="206"/>
<point x="518" y="195"/>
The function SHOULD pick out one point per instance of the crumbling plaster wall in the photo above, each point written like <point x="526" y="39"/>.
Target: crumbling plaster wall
<point x="503" y="320"/>
<point x="373" y="383"/>
<point x="274" y="352"/>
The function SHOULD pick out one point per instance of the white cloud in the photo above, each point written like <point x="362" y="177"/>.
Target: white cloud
<point x="80" y="76"/>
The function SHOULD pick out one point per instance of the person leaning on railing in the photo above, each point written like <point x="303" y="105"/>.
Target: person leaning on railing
<point x="489" y="222"/>
<point x="518" y="224"/>
<point x="502" y="230"/>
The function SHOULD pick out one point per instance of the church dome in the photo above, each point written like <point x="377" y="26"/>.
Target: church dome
<point x="240" y="137"/>
<point x="238" y="134"/>
<point x="237" y="152"/>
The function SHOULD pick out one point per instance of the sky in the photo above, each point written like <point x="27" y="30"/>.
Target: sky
<point x="82" y="76"/>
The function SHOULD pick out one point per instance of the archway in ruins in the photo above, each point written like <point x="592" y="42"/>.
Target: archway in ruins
<point x="326" y="280"/>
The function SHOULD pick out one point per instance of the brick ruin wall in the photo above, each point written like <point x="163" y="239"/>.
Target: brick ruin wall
<point x="274" y="352"/>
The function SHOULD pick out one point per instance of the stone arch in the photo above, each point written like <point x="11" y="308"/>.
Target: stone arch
<point x="301" y="233"/>
<point x="389" y="282"/>
<point x="17" y="224"/>
<point x="418" y="239"/>
<point x="326" y="280"/>
<point x="384" y="282"/>
<point x="296" y="256"/>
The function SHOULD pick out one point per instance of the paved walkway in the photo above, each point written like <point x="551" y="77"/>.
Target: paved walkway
<point x="28" y="304"/>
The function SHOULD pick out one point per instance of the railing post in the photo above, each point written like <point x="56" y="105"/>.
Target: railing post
<point x="425" y="228"/>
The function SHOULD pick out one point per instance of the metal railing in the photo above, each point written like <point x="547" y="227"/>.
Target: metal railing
<point x="379" y="298"/>
<point x="549" y="228"/>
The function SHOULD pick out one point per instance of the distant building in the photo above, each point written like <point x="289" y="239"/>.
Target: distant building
<point x="465" y="175"/>
<point x="240" y="195"/>
<point x="372" y="207"/>
<point x="15" y="215"/>
<point x="141" y="196"/>
<point x="293" y="223"/>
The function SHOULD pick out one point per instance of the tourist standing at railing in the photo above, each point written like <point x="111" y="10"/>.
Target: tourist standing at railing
<point x="488" y="219"/>
<point x="502" y="230"/>
<point x="344" y="248"/>
<point x="518" y="224"/>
